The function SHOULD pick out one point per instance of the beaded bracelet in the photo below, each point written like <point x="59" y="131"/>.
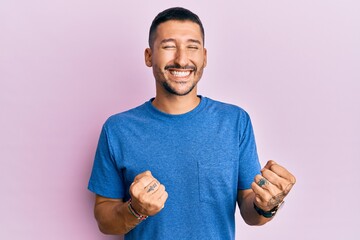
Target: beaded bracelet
<point x="134" y="213"/>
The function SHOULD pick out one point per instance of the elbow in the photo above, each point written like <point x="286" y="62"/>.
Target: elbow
<point x="257" y="221"/>
<point x="104" y="229"/>
<point x="251" y="223"/>
<point x="107" y="227"/>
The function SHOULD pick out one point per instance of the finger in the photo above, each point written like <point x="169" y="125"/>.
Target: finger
<point x="265" y="184"/>
<point x="259" y="191"/>
<point x="273" y="178"/>
<point x="260" y="195"/>
<point x="145" y="180"/>
<point x="152" y="187"/>
<point x="264" y="199"/>
<point x="137" y="187"/>
<point x="283" y="172"/>
<point x="160" y="190"/>
<point x="269" y="164"/>
<point x="159" y="204"/>
<point x="261" y="181"/>
<point x="284" y="185"/>
<point x="163" y="198"/>
<point x="154" y="197"/>
<point x="141" y="175"/>
<point x="276" y="184"/>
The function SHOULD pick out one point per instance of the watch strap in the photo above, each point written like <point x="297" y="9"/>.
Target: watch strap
<point x="267" y="214"/>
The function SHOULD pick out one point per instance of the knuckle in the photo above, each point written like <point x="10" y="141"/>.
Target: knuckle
<point x="133" y="192"/>
<point x="141" y="198"/>
<point x="133" y="186"/>
<point x="158" y="205"/>
<point x="268" y="198"/>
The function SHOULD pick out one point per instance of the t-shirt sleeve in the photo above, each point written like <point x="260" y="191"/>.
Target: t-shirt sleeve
<point x="249" y="165"/>
<point x="106" y="179"/>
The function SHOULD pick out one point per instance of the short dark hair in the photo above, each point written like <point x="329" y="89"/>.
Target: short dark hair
<point x="175" y="13"/>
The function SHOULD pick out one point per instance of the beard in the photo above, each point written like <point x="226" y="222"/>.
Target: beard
<point x="172" y="90"/>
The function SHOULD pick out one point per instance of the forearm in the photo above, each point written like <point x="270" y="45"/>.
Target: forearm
<point x="248" y="213"/>
<point x="114" y="217"/>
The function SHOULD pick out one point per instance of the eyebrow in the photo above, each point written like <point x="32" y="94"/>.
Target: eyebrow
<point x="166" y="40"/>
<point x="194" y="41"/>
<point x="173" y="40"/>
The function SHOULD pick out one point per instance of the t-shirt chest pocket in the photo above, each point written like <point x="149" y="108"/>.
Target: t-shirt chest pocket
<point x="217" y="180"/>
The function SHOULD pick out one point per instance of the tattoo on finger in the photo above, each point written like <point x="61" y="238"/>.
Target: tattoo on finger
<point x="152" y="188"/>
<point x="262" y="182"/>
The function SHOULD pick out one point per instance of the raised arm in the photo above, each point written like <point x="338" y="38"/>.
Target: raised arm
<point x="259" y="204"/>
<point x="114" y="216"/>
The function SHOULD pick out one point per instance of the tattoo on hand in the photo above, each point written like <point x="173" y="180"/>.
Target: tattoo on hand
<point x="276" y="200"/>
<point x="151" y="188"/>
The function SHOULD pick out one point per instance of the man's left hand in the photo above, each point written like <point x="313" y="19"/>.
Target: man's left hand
<point x="272" y="186"/>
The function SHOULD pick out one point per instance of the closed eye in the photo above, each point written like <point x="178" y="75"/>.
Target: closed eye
<point x="168" y="47"/>
<point x="193" y="47"/>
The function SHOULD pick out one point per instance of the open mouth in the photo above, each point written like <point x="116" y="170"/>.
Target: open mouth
<point x="183" y="73"/>
<point x="180" y="71"/>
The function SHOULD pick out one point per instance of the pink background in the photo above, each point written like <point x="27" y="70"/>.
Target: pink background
<point x="66" y="65"/>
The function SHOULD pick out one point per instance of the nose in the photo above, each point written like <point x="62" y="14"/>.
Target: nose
<point x="181" y="57"/>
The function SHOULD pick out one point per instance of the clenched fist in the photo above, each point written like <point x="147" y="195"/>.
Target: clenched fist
<point x="148" y="195"/>
<point x="272" y="186"/>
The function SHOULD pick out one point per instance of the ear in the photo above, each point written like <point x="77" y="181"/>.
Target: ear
<point x="205" y="57"/>
<point x="148" y="55"/>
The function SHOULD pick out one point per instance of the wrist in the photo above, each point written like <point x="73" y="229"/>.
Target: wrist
<point x="268" y="214"/>
<point x="133" y="212"/>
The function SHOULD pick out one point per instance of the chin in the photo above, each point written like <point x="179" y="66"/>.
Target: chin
<point x="178" y="92"/>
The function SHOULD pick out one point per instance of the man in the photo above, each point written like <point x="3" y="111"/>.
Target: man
<point x="174" y="167"/>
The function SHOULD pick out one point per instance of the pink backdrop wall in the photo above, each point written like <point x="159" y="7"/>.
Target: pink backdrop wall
<point x="65" y="66"/>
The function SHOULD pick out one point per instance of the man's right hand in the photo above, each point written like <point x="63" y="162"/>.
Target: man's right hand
<point x="148" y="196"/>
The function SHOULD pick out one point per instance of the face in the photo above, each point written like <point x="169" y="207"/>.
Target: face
<point x="178" y="57"/>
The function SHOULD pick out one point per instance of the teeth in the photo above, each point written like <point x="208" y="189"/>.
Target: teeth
<point x="180" y="73"/>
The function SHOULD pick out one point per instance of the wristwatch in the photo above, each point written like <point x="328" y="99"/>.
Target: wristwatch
<point x="268" y="214"/>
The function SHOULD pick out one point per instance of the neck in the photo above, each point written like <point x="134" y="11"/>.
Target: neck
<point x="173" y="104"/>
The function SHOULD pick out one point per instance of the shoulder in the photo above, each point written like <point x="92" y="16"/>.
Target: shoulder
<point x="226" y="109"/>
<point x="126" y="117"/>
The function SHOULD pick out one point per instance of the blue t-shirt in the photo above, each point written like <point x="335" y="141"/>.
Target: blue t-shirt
<point x="203" y="158"/>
